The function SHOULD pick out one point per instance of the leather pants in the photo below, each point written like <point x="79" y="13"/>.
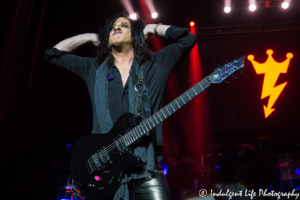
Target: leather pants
<point x="151" y="188"/>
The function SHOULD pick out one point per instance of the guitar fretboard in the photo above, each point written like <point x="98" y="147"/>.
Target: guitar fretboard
<point x="151" y="122"/>
<point x="121" y="144"/>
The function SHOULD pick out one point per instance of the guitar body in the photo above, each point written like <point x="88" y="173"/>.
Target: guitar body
<point x="105" y="181"/>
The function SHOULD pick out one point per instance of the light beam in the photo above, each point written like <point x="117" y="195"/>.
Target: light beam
<point x="227" y="6"/>
<point x="252" y="5"/>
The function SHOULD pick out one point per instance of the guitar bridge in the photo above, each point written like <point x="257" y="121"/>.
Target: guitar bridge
<point x="93" y="163"/>
<point x="89" y="166"/>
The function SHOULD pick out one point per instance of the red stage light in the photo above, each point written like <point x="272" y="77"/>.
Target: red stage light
<point x="263" y="138"/>
<point x="192" y="24"/>
<point x="198" y="107"/>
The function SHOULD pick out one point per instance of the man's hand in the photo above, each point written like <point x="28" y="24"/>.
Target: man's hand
<point x="149" y="29"/>
<point x="94" y="39"/>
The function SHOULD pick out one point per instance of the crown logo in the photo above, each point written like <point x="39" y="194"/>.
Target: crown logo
<point x="272" y="70"/>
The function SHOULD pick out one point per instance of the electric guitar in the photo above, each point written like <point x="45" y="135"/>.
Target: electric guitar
<point x="99" y="161"/>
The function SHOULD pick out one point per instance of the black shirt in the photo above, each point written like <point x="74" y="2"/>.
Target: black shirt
<point x="118" y="96"/>
<point x="156" y="72"/>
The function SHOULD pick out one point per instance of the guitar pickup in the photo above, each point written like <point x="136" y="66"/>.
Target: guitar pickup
<point x="104" y="155"/>
<point x="120" y="143"/>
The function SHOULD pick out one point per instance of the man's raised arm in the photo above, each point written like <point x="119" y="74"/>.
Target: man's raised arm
<point x="72" y="43"/>
<point x="60" y="55"/>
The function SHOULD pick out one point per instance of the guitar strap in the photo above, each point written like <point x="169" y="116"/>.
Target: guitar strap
<point x="140" y="88"/>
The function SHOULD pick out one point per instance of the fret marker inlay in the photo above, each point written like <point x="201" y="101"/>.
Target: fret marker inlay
<point x="188" y="95"/>
<point x="194" y="90"/>
<point x="201" y="86"/>
<point x="177" y="103"/>
<point x="173" y="108"/>
<point x="182" y="99"/>
<point x="168" y="111"/>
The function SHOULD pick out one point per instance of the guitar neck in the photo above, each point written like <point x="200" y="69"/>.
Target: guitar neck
<point x="219" y="75"/>
<point x="151" y="122"/>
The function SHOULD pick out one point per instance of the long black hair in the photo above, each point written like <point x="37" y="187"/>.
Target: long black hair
<point x="141" y="48"/>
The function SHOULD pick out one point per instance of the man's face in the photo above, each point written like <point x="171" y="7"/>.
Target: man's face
<point x="120" y="32"/>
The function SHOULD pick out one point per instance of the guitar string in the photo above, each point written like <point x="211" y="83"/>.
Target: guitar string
<point x="138" y="130"/>
<point x="144" y="123"/>
<point x="170" y="105"/>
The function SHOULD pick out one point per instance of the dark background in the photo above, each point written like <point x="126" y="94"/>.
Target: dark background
<point x="43" y="107"/>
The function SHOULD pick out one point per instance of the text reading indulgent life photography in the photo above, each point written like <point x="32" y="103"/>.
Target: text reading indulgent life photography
<point x="251" y="193"/>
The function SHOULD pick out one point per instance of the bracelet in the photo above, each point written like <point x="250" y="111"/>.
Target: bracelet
<point x="155" y="30"/>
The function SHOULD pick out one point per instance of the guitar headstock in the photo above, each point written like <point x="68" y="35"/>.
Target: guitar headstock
<point x="221" y="73"/>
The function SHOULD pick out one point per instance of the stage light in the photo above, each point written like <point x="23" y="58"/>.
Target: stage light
<point x="151" y="8"/>
<point x="227" y="9"/>
<point x="252" y="7"/>
<point x="154" y="15"/>
<point x="285" y="5"/>
<point x="165" y="167"/>
<point x="127" y="5"/>
<point x="192" y="24"/>
<point x="133" y="16"/>
<point x="227" y="6"/>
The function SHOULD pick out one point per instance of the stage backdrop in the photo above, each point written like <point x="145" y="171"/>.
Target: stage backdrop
<point x="236" y="109"/>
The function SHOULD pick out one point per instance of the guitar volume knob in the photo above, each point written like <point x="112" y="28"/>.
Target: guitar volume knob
<point x="100" y="188"/>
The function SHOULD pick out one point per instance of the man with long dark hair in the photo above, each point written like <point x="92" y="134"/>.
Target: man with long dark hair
<point x="121" y="52"/>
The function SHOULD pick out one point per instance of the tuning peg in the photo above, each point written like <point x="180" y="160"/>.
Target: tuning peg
<point x="226" y="82"/>
<point x="226" y="61"/>
<point x="217" y="65"/>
